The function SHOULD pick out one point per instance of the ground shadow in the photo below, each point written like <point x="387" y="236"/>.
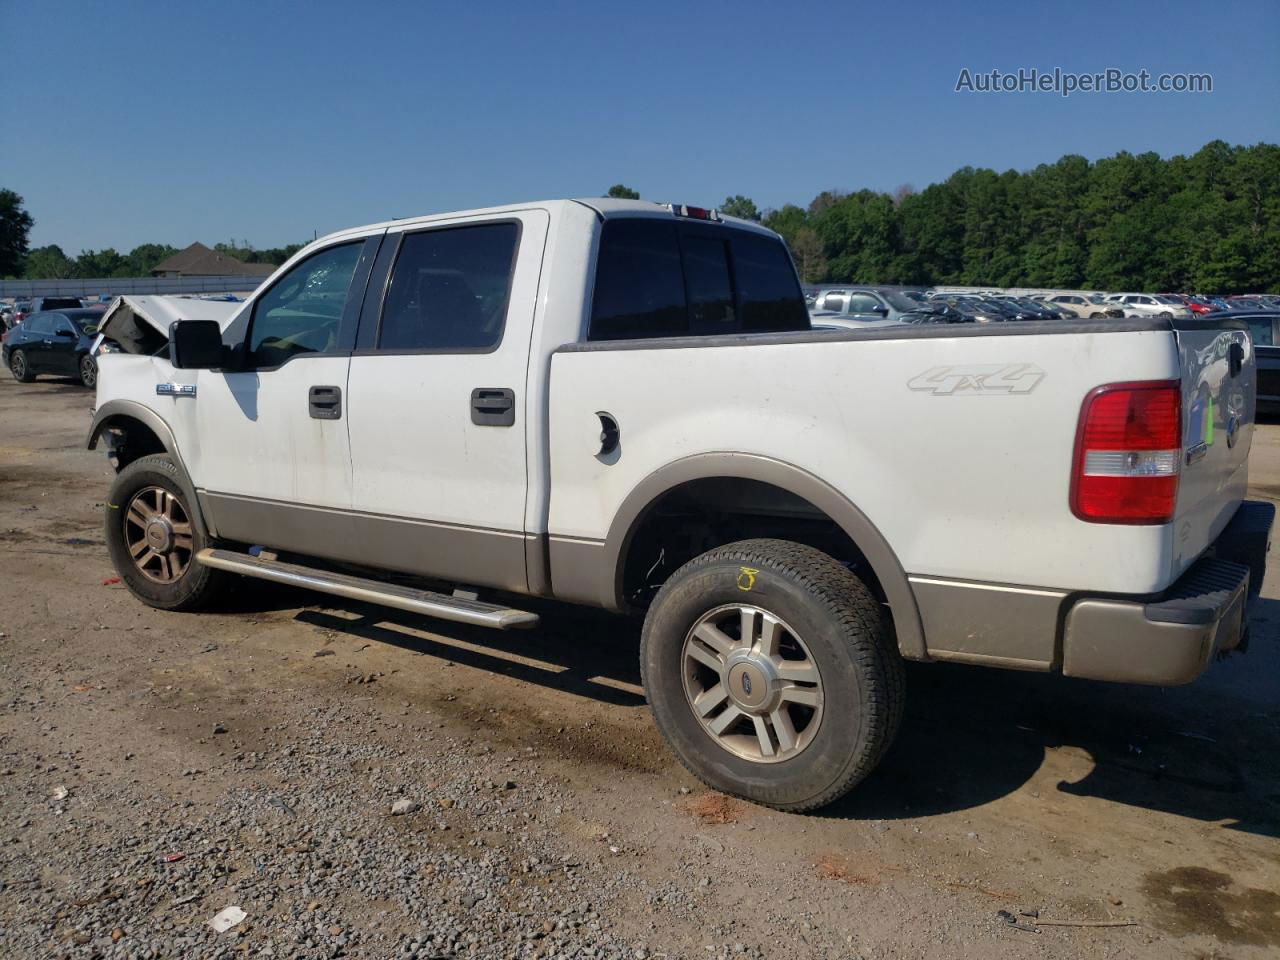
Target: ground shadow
<point x="573" y="650"/>
<point x="1209" y="751"/>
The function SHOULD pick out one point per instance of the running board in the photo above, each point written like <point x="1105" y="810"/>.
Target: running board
<point x="459" y="609"/>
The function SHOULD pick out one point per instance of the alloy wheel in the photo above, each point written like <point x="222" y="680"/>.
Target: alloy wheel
<point x="752" y="683"/>
<point x="157" y="533"/>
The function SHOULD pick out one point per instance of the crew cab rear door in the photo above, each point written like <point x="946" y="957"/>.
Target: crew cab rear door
<point x="437" y="399"/>
<point x="1218" y="371"/>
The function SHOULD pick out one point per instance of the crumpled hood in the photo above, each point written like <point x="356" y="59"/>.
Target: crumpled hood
<point x="140" y="323"/>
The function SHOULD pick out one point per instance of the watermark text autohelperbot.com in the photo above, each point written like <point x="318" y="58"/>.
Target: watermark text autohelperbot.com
<point x="1065" y="83"/>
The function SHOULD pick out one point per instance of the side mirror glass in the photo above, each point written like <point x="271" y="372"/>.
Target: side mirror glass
<point x="195" y="345"/>
<point x="64" y="332"/>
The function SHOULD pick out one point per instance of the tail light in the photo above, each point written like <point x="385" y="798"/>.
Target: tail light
<point x="1128" y="453"/>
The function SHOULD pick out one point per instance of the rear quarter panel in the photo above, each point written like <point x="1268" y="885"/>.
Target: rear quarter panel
<point x="957" y="448"/>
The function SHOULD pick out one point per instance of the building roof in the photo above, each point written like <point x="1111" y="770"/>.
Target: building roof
<point x="199" y="261"/>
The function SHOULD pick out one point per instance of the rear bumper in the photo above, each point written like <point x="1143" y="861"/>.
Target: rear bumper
<point x="1170" y="639"/>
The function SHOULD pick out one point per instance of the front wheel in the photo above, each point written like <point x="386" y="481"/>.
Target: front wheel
<point x="88" y="372"/>
<point x="153" y="535"/>
<point x="771" y="672"/>
<point x="21" y="367"/>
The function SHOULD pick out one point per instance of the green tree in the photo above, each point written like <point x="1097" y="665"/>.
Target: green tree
<point x="142" y="259"/>
<point x="15" y="227"/>
<point x="806" y="248"/>
<point x="92" y="264"/>
<point x="740" y="206"/>
<point x="49" y="263"/>
<point x="623" y="192"/>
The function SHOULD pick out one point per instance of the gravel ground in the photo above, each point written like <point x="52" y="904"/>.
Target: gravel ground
<point x="364" y="783"/>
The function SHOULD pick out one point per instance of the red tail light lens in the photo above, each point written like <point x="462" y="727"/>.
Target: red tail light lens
<point x="1128" y="453"/>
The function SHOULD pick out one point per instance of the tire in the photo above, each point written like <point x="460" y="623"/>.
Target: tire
<point x="20" y="368"/>
<point x="148" y="484"/>
<point x="88" y="370"/>
<point x="828" y="616"/>
<point x="1096" y="316"/>
<point x="1166" y="315"/>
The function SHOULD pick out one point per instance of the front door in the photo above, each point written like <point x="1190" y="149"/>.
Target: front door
<point x="437" y="401"/>
<point x="64" y="347"/>
<point x="269" y="447"/>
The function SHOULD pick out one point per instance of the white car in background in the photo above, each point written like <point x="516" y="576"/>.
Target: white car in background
<point x="1150" y="305"/>
<point x="1092" y="306"/>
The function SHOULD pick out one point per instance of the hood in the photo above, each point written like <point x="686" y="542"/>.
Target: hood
<point x="140" y="324"/>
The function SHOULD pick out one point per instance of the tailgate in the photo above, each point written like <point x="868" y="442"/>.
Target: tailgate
<point x="1218" y="403"/>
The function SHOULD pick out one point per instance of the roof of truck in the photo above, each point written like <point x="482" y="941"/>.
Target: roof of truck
<point x="608" y="208"/>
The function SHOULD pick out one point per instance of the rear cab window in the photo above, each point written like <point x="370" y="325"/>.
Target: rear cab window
<point x="663" y="278"/>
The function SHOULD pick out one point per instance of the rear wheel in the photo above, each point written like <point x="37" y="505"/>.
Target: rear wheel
<point x="771" y="672"/>
<point x="153" y="535"/>
<point x="88" y="371"/>
<point x="20" y="367"/>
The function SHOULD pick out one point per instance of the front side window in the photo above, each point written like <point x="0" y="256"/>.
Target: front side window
<point x="40" y="323"/>
<point x="302" y="311"/>
<point x="63" y="325"/>
<point x="449" y="289"/>
<point x="834" y="303"/>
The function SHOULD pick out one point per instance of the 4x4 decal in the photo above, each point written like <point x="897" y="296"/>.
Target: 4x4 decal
<point x="978" y="378"/>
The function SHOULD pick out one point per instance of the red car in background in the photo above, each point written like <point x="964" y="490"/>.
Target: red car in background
<point x="1195" y="306"/>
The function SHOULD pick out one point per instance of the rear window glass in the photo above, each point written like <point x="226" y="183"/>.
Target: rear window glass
<point x="60" y="303"/>
<point x="657" y="278"/>
<point x="639" y="282"/>
<point x="1262" y="333"/>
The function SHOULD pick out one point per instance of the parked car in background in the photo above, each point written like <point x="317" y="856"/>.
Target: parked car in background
<point x="20" y="309"/>
<point x="1149" y="305"/>
<point x="1264" y="333"/>
<point x="868" y="304"/>
<point x="1191" y="303"/>
<point x="972" y="309"/>
<point x="54" y="342"/>
<point x="1089" y="306"/>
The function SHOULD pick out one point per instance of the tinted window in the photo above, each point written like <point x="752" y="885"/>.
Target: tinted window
<point x="834" y="302"/>
<point x="61" y="303"/>
<point x="639" y="282"/>
<point x="40" y="323"/>
<point x="769" y="295"/>
<point x="302" y="310"/>
<point x="61" y="323"/>
<point x="1261" y="333"/>
<point x="449" y="289"/>
<point x="706" y="273"/>
<point x="656" y="278"/>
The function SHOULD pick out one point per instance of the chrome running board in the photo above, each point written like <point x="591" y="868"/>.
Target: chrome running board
<point x="426" y="602"/>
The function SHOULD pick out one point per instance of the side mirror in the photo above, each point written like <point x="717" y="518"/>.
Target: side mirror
<point x="881" y="311"/>
<point x="195" y="345"/>
<point x="64" y="332"/>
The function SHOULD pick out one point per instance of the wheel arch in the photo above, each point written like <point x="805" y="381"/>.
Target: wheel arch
<point x="829" y="502"/>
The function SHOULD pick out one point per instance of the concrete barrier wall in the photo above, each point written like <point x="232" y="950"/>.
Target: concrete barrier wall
<point x="114" y="286"/>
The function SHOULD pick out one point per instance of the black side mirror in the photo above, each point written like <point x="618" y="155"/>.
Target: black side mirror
<point x="195" y="345"/>
<point x="64" y="332"/>
<point x="882" y="311"/>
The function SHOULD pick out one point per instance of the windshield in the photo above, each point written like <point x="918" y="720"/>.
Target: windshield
<point x="898" y="300"/>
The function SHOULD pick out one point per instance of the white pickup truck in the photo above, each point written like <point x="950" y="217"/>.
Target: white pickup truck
<point x="622" y="404"/>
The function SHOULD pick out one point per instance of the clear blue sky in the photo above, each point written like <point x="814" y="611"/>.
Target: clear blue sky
<point x="125" y="122"/>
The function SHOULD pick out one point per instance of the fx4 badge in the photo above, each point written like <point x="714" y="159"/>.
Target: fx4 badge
<point x="978" y="378"/>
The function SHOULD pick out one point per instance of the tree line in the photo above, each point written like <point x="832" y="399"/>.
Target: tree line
<point x="1208" y="222"/>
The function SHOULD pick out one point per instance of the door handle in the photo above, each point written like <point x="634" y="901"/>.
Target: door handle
<point x="325" y="403"/>
<point x="493" y="407"/>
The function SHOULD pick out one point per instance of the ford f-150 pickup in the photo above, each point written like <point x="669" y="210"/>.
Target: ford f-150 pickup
<point x="623" y="404"/>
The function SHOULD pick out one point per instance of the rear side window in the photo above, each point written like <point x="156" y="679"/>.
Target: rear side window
<point x="40" y="323"/>
<point x="657" y="278"/>
<point x="449" y="289"/>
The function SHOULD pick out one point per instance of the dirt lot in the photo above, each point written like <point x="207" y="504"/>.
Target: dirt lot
<point x="157" y="768"/>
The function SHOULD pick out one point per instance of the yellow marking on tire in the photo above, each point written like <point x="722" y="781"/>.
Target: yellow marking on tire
<point x="746" y="578"/>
